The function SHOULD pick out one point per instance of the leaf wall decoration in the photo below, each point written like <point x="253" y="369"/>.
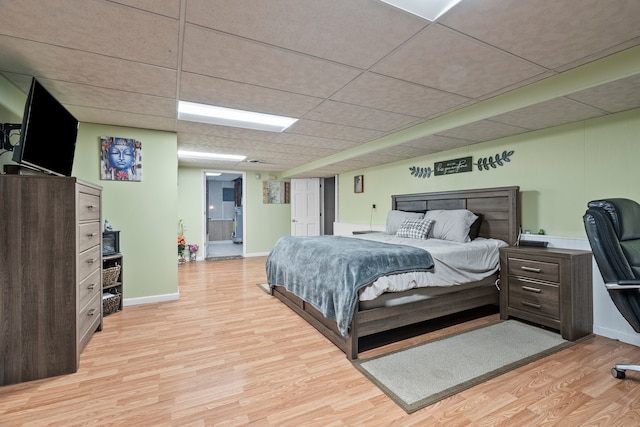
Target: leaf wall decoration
<point x="420" y="172"/>
<point x="483" y="163"/>
<point x="492" y="162"/>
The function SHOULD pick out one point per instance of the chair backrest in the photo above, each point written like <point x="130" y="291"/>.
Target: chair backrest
<point x="613" y="230"/>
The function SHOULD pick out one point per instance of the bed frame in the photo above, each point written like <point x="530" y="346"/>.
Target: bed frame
<point x="500" y="212"/>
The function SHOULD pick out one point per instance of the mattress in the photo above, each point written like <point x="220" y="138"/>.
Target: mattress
<point x="455" y="264"/>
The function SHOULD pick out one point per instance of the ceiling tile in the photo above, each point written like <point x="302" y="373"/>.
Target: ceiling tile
<point x="170" y="8"/>
<point x="225" y="93"/>
<point x="356" y="116"/>
<point x="547" y="114"/>
<point x="244" y="147"/>
<point x="103" y="27"/>
<point x="550" y="33"/>
<point x="333" y="131"/>
<point x="219" y="55"/>
<point x="389" y="94"/>
<point x="313" y="141"/>
<point x="620" y="95"/>
<point x="121" y="118"/>
<point x="186" y="127"/>
<point x="72" y="94"/>
<point x="354" y="32"/>
<point x="483" y="130"/>
<point x="75" y="66"/>
<point x="443" y="59"/>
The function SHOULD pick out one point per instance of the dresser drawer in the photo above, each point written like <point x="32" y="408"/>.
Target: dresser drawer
<point x="88" y="235"/>
<point x="89" y="318"/>
<point x="88" y="207"/>
<point x="89" y="287"/>
<point x="540" y="270"/>
<point x="88" y="262"/>
<point x="534" y="297"/>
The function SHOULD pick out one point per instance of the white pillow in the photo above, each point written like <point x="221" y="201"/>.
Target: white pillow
<point x="415" y="228"/>
<point x="451" y="225"/>
<point x="395" y="218"/>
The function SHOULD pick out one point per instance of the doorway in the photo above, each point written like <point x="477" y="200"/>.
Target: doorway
<point x="313" y="206"/>
<point x="224" y="215"/>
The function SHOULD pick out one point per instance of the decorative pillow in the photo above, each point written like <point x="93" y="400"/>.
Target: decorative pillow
<point x="395" y="218"/>
<point x="415" y="228"/>
<point x="451" y="225"/>
<point x="474" y="230"/>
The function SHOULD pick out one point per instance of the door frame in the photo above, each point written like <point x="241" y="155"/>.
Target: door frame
<point x="204" y="207"/>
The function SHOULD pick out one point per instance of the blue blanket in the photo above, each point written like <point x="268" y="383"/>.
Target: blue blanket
<point x="328" y="271"/>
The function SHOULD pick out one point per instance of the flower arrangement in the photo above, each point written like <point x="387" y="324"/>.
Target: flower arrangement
<point x="193" y="248"/>
<point x="182" y="243"/>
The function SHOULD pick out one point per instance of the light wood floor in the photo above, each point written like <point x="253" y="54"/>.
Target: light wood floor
<point x="228" y="354"/>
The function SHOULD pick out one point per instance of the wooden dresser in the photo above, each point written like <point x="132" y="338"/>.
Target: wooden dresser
<point x="50" y="278"/>
<point x="549" y="286"/>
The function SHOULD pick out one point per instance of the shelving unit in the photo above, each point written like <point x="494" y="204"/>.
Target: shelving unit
<point x="117" y="287"/>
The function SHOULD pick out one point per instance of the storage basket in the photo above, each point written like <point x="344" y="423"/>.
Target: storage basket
<point x="110" y="275"/>
<point x="110" y="303"/>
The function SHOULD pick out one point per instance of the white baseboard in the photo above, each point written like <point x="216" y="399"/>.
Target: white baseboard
<point x="633" y="339"/>
<point x="255" y="254"/>
<point x="151" y="299"/>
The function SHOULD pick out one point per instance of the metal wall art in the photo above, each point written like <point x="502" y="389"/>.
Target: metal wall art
<point x="463" y="164"/>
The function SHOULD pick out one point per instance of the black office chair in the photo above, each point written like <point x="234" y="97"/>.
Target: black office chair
<point x="613" y="229"/>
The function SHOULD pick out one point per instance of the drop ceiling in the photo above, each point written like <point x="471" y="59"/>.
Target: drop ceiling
<point x="370" y="84"/>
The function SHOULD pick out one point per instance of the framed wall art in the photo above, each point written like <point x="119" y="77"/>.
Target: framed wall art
<point x="358" y="184"/>
<point x="120" y="159"/>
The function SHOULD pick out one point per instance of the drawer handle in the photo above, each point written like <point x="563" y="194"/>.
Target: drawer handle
<point x="530" y="269"/>
<point x="92" y="234"/>
<point x="91" y="312"/>
<point x="530" y="289"/>
<point x="91" y="286"/>
<point x="90" y="207"/>
<point x="91" y="261"/>
<point x="532" y="305"/>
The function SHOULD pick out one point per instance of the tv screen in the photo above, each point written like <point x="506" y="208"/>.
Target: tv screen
<point x="48" y="134"/>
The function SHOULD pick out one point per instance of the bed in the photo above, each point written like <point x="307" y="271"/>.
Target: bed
<point x="498" y="218"/>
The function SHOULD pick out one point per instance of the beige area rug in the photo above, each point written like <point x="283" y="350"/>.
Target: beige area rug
<point x="426" y="373"/>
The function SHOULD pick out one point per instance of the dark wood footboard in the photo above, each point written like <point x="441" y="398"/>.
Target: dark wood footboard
<point x="372" y="321"/>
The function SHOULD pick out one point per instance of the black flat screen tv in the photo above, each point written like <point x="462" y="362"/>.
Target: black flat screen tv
<point x="48" y="134"/>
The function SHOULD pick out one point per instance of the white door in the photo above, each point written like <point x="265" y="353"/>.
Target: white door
<point x="305" y="207"/>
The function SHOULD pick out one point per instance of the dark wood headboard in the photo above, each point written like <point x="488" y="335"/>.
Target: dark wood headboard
<point x="499" y="207"/>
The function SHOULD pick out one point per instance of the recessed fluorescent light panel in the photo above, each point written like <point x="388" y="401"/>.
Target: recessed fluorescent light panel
<point x="213" y="174"/>
<point x="427" y="9"/>
<point x="209" y="156"/>
<point x="203" y="113"/>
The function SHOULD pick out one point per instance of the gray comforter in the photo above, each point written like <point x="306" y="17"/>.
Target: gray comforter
<point x="328" y="271"/>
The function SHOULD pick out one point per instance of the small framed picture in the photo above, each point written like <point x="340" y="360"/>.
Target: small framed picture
<point x="358" y="184"/>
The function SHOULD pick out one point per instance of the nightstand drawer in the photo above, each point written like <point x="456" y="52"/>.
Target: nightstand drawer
<point x="535" y="269"/>
<point x="534" y="297"/>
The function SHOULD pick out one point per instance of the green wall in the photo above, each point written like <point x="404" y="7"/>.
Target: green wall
<point x="190" y="206"/>
<point x="145" y="212"/>
<point x="265" y="223"/>
<point x="558" y="170"/>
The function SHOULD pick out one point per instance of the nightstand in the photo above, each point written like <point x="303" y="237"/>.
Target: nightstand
<point x="548" y="286"/>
